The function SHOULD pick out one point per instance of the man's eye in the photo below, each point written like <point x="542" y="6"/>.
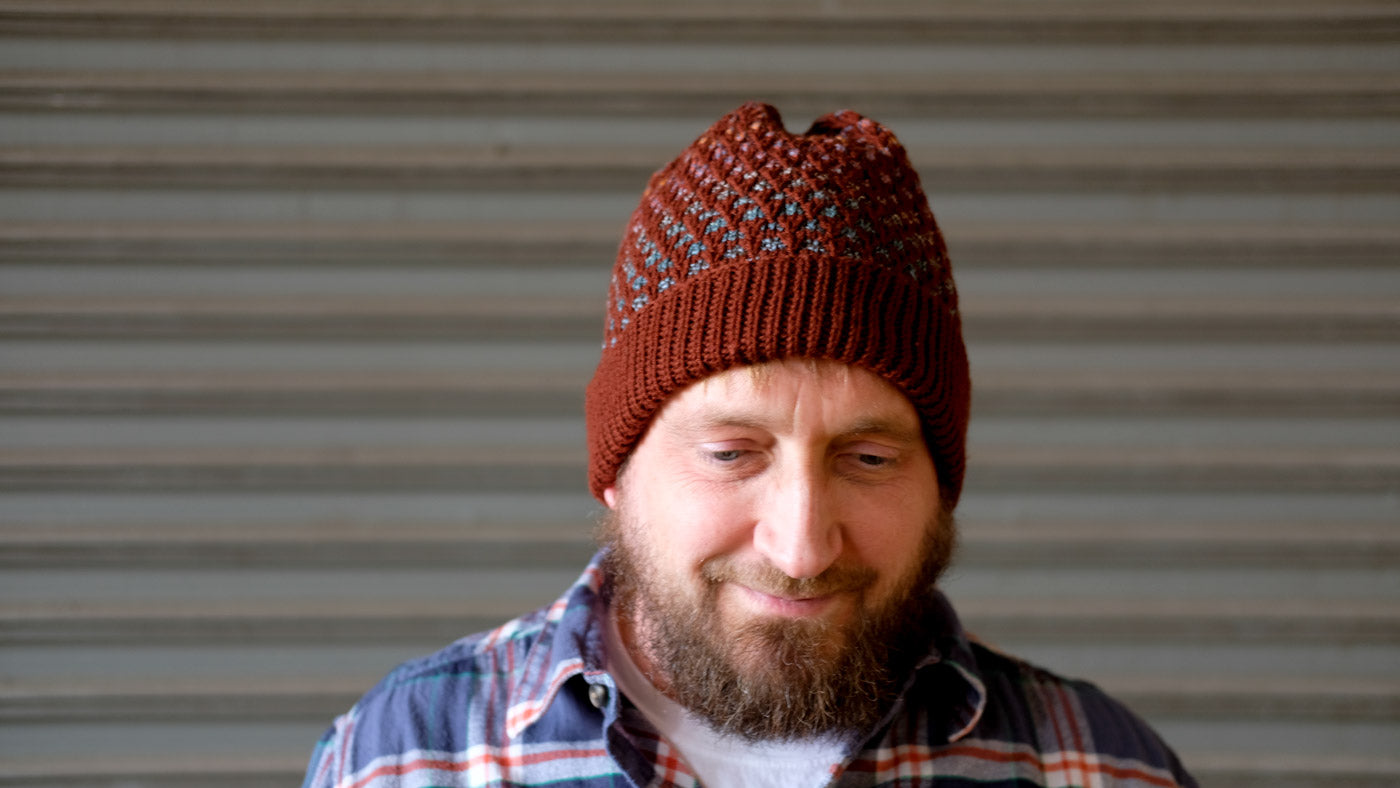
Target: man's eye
<point x="726" y="455"/>
<point x="872" y="460"/>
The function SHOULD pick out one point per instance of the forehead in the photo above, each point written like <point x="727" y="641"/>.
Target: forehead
<point x="794" y="388"/>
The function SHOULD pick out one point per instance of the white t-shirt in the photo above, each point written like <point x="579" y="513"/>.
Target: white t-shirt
<point x="718" y="760"/>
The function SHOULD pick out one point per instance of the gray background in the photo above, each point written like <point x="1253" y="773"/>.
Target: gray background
<point x="297" y="301"/>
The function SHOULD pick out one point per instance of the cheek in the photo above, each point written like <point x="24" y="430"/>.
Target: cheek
<point x="890" y="537"/>
<point x="702" y="527"/>
<point x="723" y="526"/>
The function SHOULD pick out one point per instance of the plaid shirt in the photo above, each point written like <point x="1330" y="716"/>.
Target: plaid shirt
<point x="530" y="704"/>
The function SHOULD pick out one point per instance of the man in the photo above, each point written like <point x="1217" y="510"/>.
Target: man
<point x="776" y="426"/>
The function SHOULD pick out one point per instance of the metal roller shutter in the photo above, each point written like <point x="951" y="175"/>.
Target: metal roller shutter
<point x="297" y="301"/>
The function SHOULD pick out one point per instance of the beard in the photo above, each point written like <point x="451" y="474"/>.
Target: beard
<point x="772" y="678"/>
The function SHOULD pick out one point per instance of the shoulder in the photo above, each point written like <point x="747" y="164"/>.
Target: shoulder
<point x="471" y="706"/>
<point x="440" y="703"/>
<point x="488" y="654"/>
<point x="452" y="682"/>
<point x="1028" y="706"/>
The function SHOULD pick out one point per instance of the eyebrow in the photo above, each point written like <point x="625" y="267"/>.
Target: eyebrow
<point x="710" y="421"/>
<point x="890" y="428"/>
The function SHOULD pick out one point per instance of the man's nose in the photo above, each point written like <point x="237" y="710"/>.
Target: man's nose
<point x="798" y="530"/>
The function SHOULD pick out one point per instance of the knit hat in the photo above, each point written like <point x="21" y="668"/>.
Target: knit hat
<point x="756" y="245"/>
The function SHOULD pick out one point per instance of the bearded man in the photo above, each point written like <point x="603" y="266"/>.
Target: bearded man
<point x="776" y="427"/>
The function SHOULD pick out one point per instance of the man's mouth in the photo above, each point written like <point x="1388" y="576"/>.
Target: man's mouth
<point x="769" y="581"/>
<point x="787" y="606"/>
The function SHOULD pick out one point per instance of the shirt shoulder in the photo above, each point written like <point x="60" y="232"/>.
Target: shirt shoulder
<point x="489" y="655"/>
<point x="432" y="704"/>
<point x="466" y="706"/>
<point x="1070" y="725"/>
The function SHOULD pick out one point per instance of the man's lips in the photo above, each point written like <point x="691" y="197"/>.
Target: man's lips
<point x="796" y="607"/>
<point x="769" y="581"/>
<point x="763" y="589"/>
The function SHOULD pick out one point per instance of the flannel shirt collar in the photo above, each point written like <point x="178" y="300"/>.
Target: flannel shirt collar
<point x="570" y="644"/>
<point x="951" y="649"/>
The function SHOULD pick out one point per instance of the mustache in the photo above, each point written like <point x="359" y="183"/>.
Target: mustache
<point x="768" y="579"/>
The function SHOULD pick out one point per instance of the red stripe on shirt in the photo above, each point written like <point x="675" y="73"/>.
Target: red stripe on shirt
<point x="915" y="755"/>
<point x="500" y="759"/>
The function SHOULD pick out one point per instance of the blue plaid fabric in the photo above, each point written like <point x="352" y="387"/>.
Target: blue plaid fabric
<point x="531" y="704"/>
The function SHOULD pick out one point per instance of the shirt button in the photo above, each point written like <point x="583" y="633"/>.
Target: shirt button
<point x="598" y="695"/>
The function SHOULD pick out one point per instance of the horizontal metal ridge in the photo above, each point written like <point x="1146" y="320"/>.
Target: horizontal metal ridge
<point x="1157" y="542"/>
<point x="1287" y="770"/>
<point x="770" y="21"/>
<point x="459" y="545"/>
<point x="502" y="392"/>
<point x="1137" y="542"/>
<point x="497" y="392"/>
<point x="249" y="623"/>
<point x="1240" y="391"/>
<point x="321" y="699"/>
<point x="1166" y="317"/>
<point x="1266" y="170"/>
<point x="1056" y="245"/>
<point x="463" y="468"/>
<point x="306" y="317"/>
<point x="283" y="621"/>
<point x="1338" y="700"/>
<point x="411" y="167"/>
<point x="180" y="699"/>
<point x="327" y="468"/>
<point x="1141" y="468"/>
<point x="1130" y="245"/>
<point x="1335" y="622"/>
<point x="1043" y="94"/>
<point x="447" y="243"/>
<point x="1178" y="317"/>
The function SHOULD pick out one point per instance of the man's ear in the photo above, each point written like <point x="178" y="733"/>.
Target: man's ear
<point x="610" y="496"/>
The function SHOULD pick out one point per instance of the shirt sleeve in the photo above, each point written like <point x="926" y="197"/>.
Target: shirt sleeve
<point x="323" y="771"/>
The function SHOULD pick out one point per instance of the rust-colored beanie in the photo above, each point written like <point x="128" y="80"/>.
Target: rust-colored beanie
<point x="756" y="245"/>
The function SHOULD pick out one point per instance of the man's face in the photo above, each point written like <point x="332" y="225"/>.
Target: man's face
<point x="775" y="536"/>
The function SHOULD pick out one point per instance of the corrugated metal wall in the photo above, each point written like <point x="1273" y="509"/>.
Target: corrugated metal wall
<point x="299" y="298"/>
